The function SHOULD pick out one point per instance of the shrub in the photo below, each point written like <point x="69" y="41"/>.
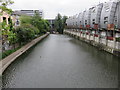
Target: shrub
<point x="26" y="33"/>
<point x="6" y="53"/>
<point x="118" y="39"/>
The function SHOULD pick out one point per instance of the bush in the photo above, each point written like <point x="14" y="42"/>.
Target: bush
<point x="26" y="33"/>
<point x="118" y="39"/>
<point x="8" y="52"/>
<point x="25" y="19"/>
<point x="41" y="24"/>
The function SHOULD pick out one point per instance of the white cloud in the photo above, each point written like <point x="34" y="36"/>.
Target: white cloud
<point x="52" y="7"/>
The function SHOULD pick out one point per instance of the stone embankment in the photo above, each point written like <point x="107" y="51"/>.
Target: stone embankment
<point x="112" y="47"/>
<point x="4" y="63"/>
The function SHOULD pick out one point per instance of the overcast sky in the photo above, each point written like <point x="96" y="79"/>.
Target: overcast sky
<point x="52" y="7"/>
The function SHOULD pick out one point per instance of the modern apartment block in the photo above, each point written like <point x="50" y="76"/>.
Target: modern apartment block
<point x="30" y="12"/>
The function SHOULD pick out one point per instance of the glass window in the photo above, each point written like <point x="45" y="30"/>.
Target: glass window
<point x="105" y="18"/>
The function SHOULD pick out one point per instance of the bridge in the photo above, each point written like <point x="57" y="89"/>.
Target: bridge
<point x="60" y="61"/>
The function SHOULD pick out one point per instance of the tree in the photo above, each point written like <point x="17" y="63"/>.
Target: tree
<point x="4" y="4"/>
<point x="40" y="23"/>
<point x="12" y="38"/>
<point x="47" y="25"/>
<point x="60" y="23"/>
<point x="64" y="21"/>
<point x="11" y="25"/>
<point x="25" y="33"/>
<point x="24" y="19"/>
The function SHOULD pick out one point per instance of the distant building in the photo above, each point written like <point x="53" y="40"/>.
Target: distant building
<point x="15" y="18"/>
<point x="51" y="21"/>
<point x="52" y="26"/>
<point x="29" y="12"/>
<point x="4" y="17"/>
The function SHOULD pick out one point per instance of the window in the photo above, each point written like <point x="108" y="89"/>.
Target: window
<point x="105" y="22"/>
<point x="105" y="18"/>
<point x="107" y="10"/>
<point x="4" y="18"/>
<point x="93" y="10"/>
<point x="93" y="19"/>
<point x="80" y="22"/>
<point x="17" y="22"/>
<point x="76" y="23"/>
<point x="93" y="22"/>
<point x="9" y="20"/>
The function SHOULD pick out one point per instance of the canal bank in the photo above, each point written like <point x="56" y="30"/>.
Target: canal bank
<point x="95" y="41"/>
<point x="4" y="63"/>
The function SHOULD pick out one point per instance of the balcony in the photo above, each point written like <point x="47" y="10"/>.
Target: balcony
<point x="87" y="26"/>
<point x="95" y="35"/>
<point x="110" y="38"/>
<point x="95" y="26"/>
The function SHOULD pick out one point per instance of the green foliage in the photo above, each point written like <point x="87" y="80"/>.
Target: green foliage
<point x="60" y="23"/>
<point x="7" y="30"/>
<point x="118" y="39"/>
<point x="26" y="33"/>
<point x="40" y="23"/>
<point x="9" y="11"/>
<point x="4" y="4"/>
<point x="11" y="25"/>
<point x="36" y="21"/>
<point x="12" y="37"/>
<point x="4" y="25"/>
<point x="25" y="19"/>
<point x="46" y="25"/>
<point x="8" y="52"/>
<point x="31" y="27"/>
<point x="64" y="21"/>
<point x="0" y="29"/>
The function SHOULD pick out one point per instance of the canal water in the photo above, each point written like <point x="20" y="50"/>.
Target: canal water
<point x="60" y="61"/>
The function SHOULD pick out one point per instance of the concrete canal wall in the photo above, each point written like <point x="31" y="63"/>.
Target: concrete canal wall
<point x="112" y="47"/>
<point x="4" y="63"/>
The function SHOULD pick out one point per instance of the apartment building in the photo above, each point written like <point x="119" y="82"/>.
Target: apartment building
<point x="29" y="12"/>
